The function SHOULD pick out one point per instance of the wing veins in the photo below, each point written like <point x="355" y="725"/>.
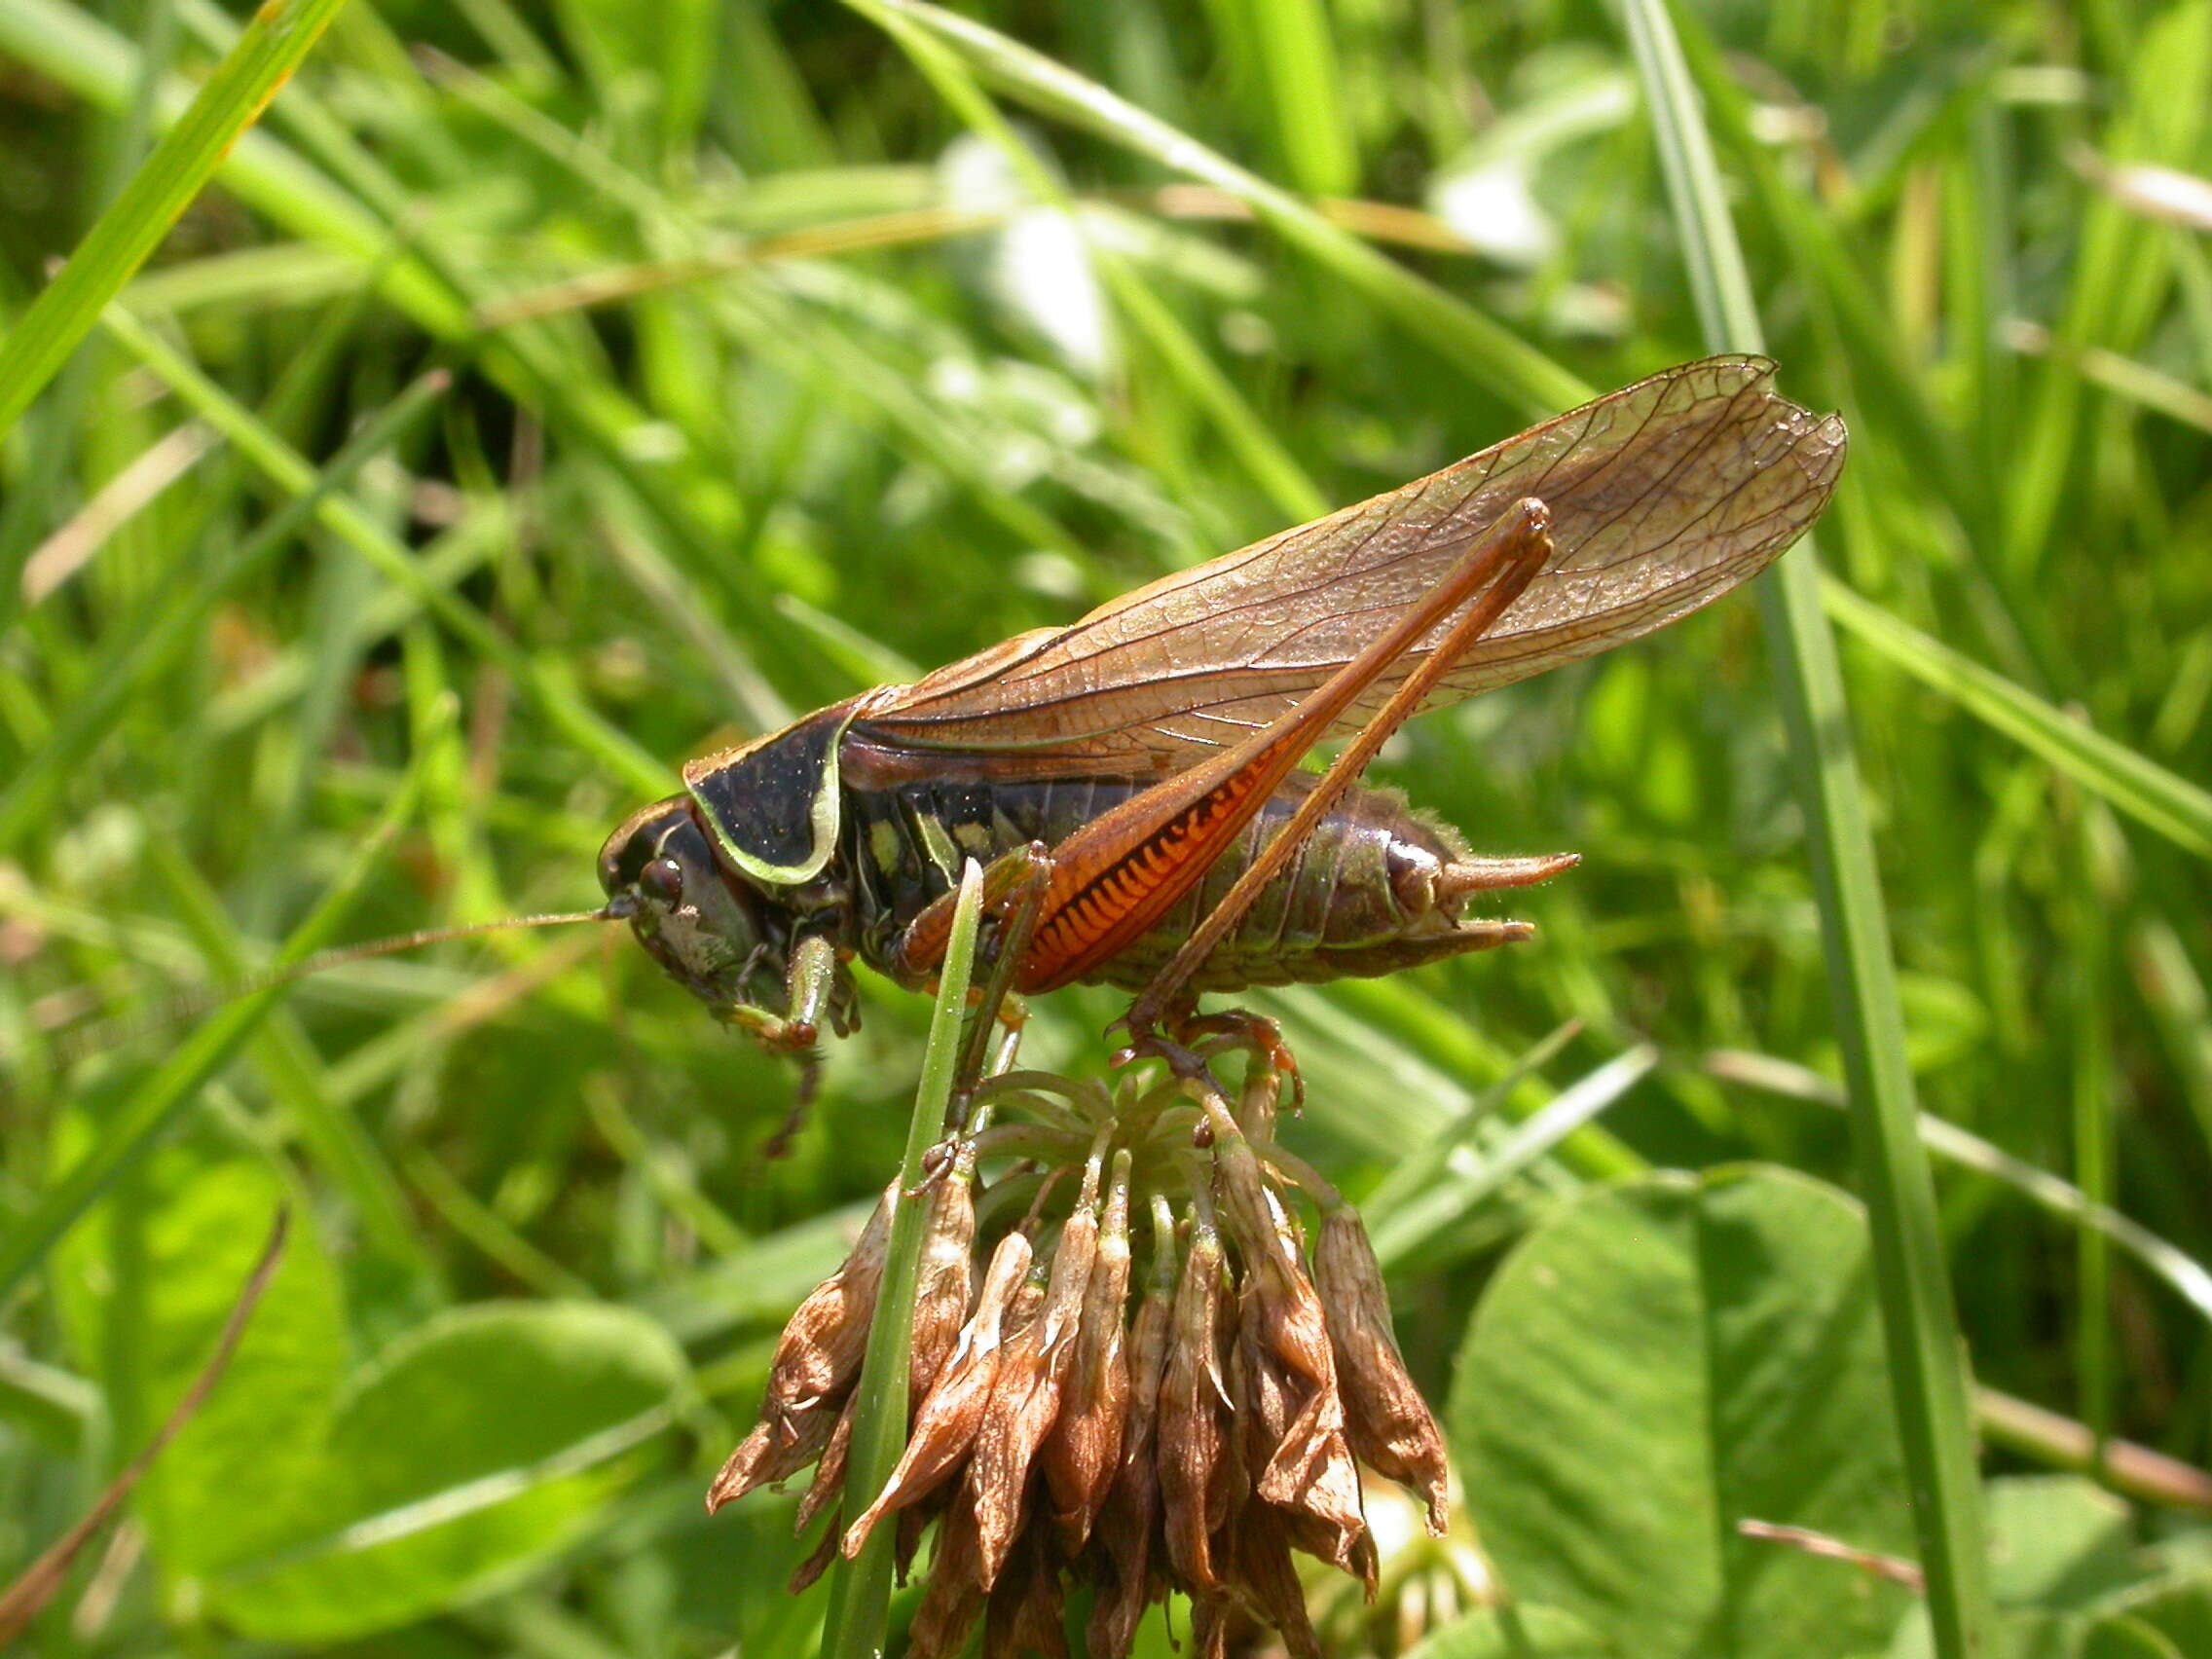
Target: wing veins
<point x="1659" y="503"/>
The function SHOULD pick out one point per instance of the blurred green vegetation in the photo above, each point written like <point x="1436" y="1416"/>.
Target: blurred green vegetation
<point x="774" y="374"/>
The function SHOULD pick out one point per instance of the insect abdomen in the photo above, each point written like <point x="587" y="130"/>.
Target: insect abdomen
<point x="1365" y="895"/>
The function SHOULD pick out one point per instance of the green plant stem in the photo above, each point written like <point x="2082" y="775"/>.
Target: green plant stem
<point x="860" y="1589"/>
<point x="1928" y="1381"/>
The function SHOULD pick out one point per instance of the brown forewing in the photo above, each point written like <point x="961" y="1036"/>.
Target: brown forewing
<point x="1663" y="495"/>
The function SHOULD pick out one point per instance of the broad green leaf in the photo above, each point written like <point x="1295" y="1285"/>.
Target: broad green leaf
<point x="144" y="1286"/>
<point x="303" y="1504"/>
<point x="2185" y="1553"/>
<point x="1514" y="1633"/>
<point x="1633" y="1385"/>
<point x="2179" y="1608"/>
<point x="459" y="1460"/>
<point x="2018" y="1633"/>
<point x="2057" y="1541"/>
<point x="2126" y="1638"/>
<point x="2039" y="1634"/>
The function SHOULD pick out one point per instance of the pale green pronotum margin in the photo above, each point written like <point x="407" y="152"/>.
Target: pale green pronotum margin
<point x="272" y="47"/>
<point x="1927" y="1362"/>
<point x="860" y="1590"/>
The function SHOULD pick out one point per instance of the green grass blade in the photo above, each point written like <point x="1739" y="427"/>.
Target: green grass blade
<point x="2116" y="274"/>
<point x="1296" y="59"/>
<point x="860" y="1590"/>
<point x="329" y="1135"/>
<point x="1271" y="467"/>
<point x="2136" y="785"/>
<point x="1414" y="1223"/>
<point x="359" y="531"/>
<point x="1491" y="354"/>
<point x="135" y="224"/>
<point x="177" y="1083"/>
<point x="2091" y="900"/>
<point x="138" y="653"/>
<point x="103" y="67"/>
<point x="1928" y="1381"/>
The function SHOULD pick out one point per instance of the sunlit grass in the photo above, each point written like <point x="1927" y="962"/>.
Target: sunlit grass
<point x="792" y="346"/>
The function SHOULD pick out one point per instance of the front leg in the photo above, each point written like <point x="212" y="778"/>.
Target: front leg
<point x="810" y="987"/>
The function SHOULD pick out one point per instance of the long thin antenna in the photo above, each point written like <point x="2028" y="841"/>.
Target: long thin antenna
<point x="97" y="1036"/>
<point x="339" y="955"/>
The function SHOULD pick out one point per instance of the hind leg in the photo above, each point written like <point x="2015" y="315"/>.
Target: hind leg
<point x="1230" y="1029"/>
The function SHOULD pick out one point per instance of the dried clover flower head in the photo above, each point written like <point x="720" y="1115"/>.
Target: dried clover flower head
<point x="1083" y="1451"/>
<point x="816" y="1361"/>
<point x="1389" y="1425"/>
<point x="1186" y="1435"/>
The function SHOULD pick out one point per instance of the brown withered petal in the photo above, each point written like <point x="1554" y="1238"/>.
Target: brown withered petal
<point x="1262" y="1547"/>
<point x="1246" y="1215"/>
<point x="1263" y="1413"/>
<point x="1190" y="1423"/>
<point x="1325" y="1542"/>
<point x="1026" y="1401"/>
<point x="1309" y="1468"/>
<point x="1210" y="1619"/>
<point x="820" y="1351"/>
<point x="817" y="1560"/>
<point x="1391" y="1429"/>
<point x="1263" y="1403"/>
<point x="944" y="1290"/>
<point x="953" y="1600"/>
<point x="815" y="1360"/>
<point x="916" y="1520"/>
<point x="942" y="1296"/>
<point x="1366" y="1564"/>
<point x="1027" y="1301"/>
<point x="945" y="1428"/>
<point x="1026" y="1614"/>
<point x="1083" y="1451"/>
<point x="829" y="1482"/>
<point x="780" y="1446"/>
<point x="1120" y="1548"/>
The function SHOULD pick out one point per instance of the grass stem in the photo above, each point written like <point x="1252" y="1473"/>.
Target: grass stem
<point x="1929" y="1378"/>
<point x="860" y="1590"/>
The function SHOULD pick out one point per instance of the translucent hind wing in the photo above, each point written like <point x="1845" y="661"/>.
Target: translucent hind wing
<point x="1663" y="495"/>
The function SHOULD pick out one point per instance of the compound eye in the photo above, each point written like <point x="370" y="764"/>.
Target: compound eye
<point x="662" y="879"/>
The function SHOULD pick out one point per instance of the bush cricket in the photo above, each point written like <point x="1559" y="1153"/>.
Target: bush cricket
<point x="1131" y="781"/>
